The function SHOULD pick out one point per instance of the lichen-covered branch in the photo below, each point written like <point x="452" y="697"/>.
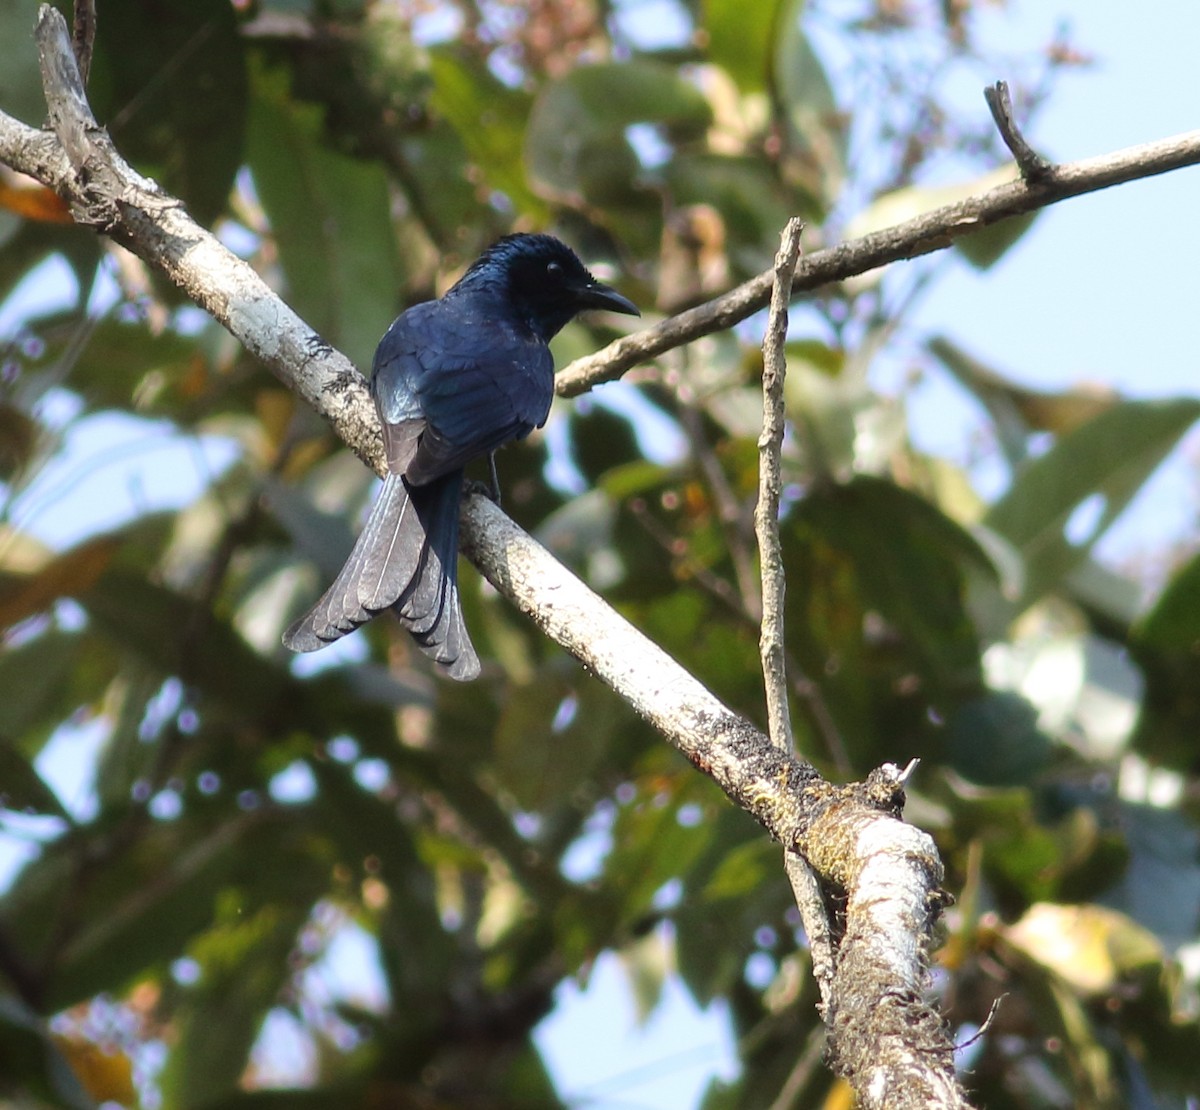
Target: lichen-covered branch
<point x="80" y="163"/>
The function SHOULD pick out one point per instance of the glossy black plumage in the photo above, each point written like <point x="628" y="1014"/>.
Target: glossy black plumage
<point x="453" y="379"/>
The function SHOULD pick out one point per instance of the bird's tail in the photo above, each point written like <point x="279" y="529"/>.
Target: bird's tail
<point x="406" y="560"/>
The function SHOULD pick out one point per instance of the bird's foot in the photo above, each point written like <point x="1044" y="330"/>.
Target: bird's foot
<point x="482" y="489"/>
<point x="490" y="491"/>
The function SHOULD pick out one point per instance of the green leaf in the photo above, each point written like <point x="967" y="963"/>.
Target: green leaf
<point x="153" y="622"/>
<point x="56" y="673"/>
<point x="416" y="952"/>
<point x="876" y="610"/>
<point x="540" y="721"/>
<point x="1112" y="455"/>
<point x="31" y="243"/>
<point x="1160" y="888"/>
<point x="995" y="740"/>
<point x="331" y="218"/>
<point x="21" y="76"/>
<point x="243" y="963"/>
<point x="324" y="537"/>
<point x="140" y="909"/>
<point x="731" y="893"/>
<point x="985" y="247"/>
<point x="817" y="136"/>
<point x="23" y="788"/>
<point x="653" y="842"/>
<point x="752" y="204"/>
<point x="911" y="201"/>
<point x="576" y="147"/>
<point x="1017" y="410"/>
<point x="128" y="366"/>
<point x="169" y="82"/>
<point x="740" y="37"/>
<point x="490" y="119"/>
<point x="31" y="1065"/>
<point x="982" y="248"/>
<point x="1165" y="646"/>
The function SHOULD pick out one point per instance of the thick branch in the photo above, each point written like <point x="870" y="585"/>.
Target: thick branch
<point x="82" y="166"/>
<point x="872" y="986"/>
<point x="921" y="235"/>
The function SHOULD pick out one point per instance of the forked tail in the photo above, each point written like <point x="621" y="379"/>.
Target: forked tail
<point x="406" y="560"/>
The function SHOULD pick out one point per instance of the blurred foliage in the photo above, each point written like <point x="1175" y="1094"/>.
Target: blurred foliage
<point x="242" y="818"/>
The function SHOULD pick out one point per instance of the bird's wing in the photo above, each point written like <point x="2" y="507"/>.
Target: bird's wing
<point x="454" y="385"/>
<point x="395" y="376"/>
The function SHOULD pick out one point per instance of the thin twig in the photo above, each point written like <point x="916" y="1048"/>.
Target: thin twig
<point x="1033" y="166"/>
<point x="730" y="515"/>
<point x="802" y="1073"/>
<point x="809" y="692"/>
<point x="687" y="566"/>
<point x="766" y="513"/>
<point x="806" y="889"/>
<point x="987" y="1024"/>
<point x="83" y="37"/>
<point x="924" y="234"/>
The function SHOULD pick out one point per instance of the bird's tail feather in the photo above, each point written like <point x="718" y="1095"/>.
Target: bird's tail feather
<point x="405" y="559"/>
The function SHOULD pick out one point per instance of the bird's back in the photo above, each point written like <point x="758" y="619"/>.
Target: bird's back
<point x="468" y="373"/>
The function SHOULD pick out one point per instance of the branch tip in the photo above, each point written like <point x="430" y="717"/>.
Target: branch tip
<point x="83" y="36"/>
<point x="1034" y="168"/>
<point x="71" y="116"/>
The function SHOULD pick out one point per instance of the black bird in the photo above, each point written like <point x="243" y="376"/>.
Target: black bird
<point x="453" y="379"/>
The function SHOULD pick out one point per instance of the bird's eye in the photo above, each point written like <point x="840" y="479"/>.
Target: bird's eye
<point x="554" y="270"/>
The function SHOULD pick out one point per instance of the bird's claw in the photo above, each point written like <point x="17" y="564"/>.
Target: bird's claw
<point x="482" y="489"/>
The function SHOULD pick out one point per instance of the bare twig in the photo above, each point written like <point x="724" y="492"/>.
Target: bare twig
<point x="766" y="514"/>
<point x="689" y="567"/>
<point x="1033" y="166"/>
<point x="806" y="887"/>
<point x="981" y="1032"/>
<point x="921" y="235"/>
<point x="821" y="718"/>
<point x="803" y="1071"/>
<point x="83" y="37"/>
<point x="730" y="513"/>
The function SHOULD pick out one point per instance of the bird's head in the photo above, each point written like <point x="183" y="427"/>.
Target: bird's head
<point x="543" y="282"/>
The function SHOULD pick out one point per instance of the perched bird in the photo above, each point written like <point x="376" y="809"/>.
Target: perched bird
<point x="453" y="379"/>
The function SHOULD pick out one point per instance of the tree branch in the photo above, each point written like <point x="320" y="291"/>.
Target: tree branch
<point x="923" y="234"/>
<point x="766" y="513"/>
<point x="806" y="887"/>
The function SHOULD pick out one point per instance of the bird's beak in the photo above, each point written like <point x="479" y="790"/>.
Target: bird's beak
<point x="597" y="295"/>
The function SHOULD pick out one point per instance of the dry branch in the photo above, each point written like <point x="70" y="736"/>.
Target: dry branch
<point x="766" y="513"/>
<point x="923" y="234"/>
